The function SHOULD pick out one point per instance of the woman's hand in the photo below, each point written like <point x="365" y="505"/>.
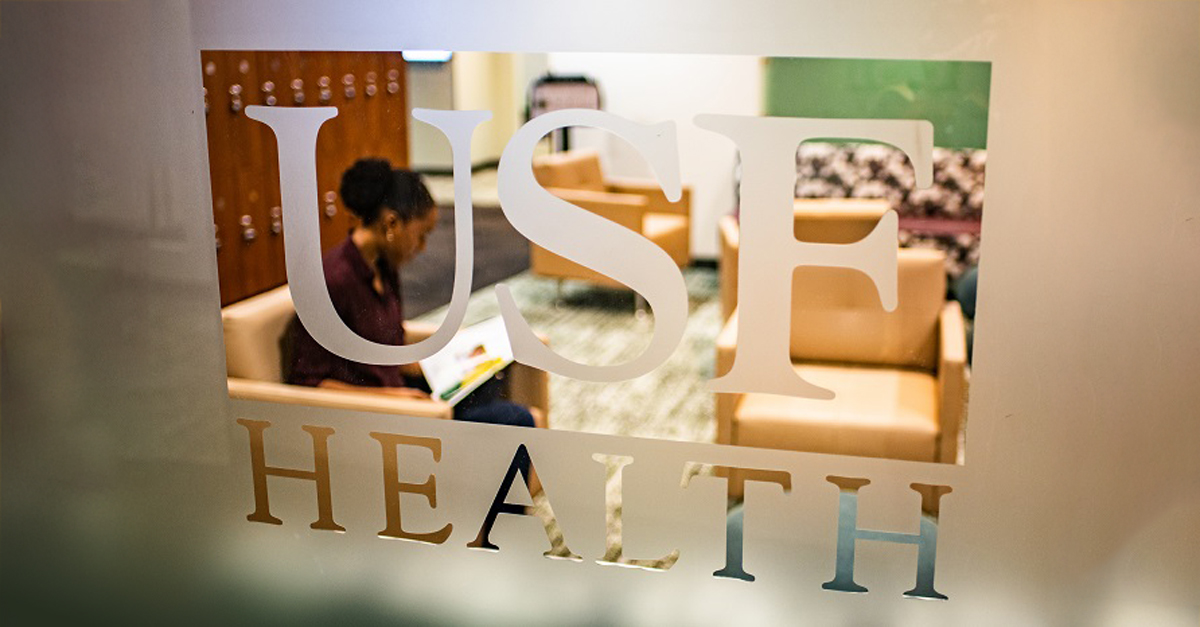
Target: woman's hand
<point x="334" y="384"/>
<point x="406" y="393"/>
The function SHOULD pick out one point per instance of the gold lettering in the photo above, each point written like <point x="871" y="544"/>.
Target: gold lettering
<point x="392" y="486"/>
<point x="319" y="474"/>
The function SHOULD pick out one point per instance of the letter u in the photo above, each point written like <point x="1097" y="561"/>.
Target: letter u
<point x="296" y="131"/>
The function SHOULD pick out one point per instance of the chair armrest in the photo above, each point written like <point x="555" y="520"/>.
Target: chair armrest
<point x="726" y="403"/>
<point x="624" y="209"/>
<point x="654" y="194"/>
<point x="730" y="234"/>
<point x="416" y="331"/>
<point x="247" y="389"/>
<point x="530" y="387"/>
<point x="952" y="379"/>
<point x="727" y="344"/>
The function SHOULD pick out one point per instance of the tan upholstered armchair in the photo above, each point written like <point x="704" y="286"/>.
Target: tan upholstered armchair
<point x="818" y="220"/>
<point x="900" y="377"/>
<point x="254" y="332"/>
<point x="639" y="206"/>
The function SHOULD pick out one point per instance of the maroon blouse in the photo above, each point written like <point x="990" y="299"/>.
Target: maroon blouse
<point x="374" y="316"/>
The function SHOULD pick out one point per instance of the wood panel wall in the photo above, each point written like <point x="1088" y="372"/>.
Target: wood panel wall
<point x="369" y="90"/>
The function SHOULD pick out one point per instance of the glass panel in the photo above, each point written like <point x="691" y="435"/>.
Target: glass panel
<point x="900" y="375"/>
<point x="135" y="487"/>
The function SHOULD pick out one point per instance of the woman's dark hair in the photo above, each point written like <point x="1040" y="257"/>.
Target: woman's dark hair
<point x="371" y="184"/>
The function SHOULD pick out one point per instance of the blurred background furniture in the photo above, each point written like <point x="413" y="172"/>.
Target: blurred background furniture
<point x="639" y="206"/>
<point x="965" y="289"/>
<point x="257" y="334"/>
<point x="947" y="215"/>
<point x="821" y="221"/>
<point x="900" y="377"/>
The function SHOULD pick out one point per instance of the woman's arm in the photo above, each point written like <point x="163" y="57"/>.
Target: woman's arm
<point x="411" y="371"/>
<point x="334" y="384"/>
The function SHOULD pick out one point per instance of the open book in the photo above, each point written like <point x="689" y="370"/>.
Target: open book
<point x="471" y="358"/>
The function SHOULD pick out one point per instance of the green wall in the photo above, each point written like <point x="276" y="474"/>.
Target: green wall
<point x="951" y="94"/>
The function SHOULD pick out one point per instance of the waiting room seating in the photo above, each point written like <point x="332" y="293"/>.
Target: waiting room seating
<point x="900" y="377"/>
<point x="255" y="330"/>
<point x="822" y="221"/>
<point x="639" y="206"/>
<point x="946" y="216"/>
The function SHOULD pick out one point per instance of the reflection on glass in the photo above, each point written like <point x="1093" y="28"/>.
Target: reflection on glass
<point x="900" y="378"/>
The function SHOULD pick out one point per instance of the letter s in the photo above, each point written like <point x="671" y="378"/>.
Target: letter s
<point x="594" y="242"/>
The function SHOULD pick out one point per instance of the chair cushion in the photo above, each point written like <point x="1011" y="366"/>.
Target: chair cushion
<point x="837" y="220"/>
<point x="837" y="315"/>
<point x="570" y="170"/>
<point x="670" y="232"/>
<point x="879" y="412"/>
<point x="253" y="330"/>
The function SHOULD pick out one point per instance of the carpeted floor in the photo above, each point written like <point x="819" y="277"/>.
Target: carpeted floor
<point x="586" y="323"/>
<point x="589" y="324"/>
<point x="500" y="252"/>
<point x="599" y="326"/>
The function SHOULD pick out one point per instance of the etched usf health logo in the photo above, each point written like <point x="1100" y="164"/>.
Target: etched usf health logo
<point x="769" y="256"/>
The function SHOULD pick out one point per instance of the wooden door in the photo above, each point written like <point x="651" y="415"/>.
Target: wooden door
<point x="369" y="91"/>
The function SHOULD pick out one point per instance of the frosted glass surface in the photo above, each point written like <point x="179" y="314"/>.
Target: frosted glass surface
<point x="126" y="481"/>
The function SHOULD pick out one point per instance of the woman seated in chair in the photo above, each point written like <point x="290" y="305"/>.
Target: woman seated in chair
<point x="396" y="214"/>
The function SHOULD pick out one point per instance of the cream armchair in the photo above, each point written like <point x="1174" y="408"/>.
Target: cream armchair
<point x="817" y="220"/>
<point x="900" y="377"/>
<point x="254" y="335"/>
<point x="637" y="205"/>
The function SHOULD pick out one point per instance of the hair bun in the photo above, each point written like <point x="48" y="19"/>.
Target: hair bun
<point x="365" y="186"/>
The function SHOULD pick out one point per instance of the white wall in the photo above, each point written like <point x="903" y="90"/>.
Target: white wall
<point x="484" y="81"/>
<point x="653" y="88"/>
<point x="640" y="87"/>
<point x="496" y="82"/>
<point x="430" y="86"/>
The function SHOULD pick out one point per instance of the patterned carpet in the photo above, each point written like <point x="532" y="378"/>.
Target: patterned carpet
<point x="598" y="325"/>
<point x="500" y="252"/>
